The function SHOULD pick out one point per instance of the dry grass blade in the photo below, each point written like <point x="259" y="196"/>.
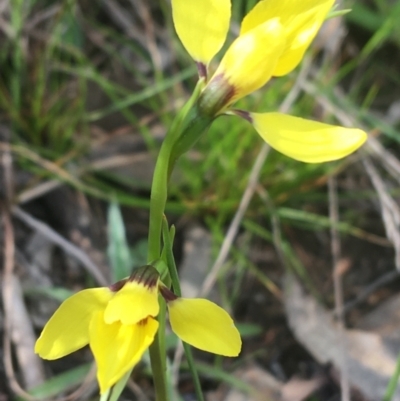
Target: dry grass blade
<point x="64" y="244"/>
<point x="389" y="161"/>
<point x="389" y="209"/>
<point x="338" y="285"/>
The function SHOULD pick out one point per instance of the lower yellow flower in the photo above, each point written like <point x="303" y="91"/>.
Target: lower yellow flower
<point x="119" y="324"/>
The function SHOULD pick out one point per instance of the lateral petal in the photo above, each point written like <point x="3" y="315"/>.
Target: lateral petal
<point x="204" y="325"/>
<point x="68" y="328"/>
<point x="301" y="21"/>
<point x="306" y="140"/>
<point x="202" y="26"/>
<point x="132" y="303"/>
<point x="117" y="347"/>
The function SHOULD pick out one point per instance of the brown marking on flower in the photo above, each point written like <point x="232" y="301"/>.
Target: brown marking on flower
<point x="244" y="114"/>
<point x="118" y="285"/>
<point x="202" y="69"/>
<point x="216" y="95"/>
<point x="167" y="294"/>
<point x="142" y="322"/>
<point x="146" y="275"/>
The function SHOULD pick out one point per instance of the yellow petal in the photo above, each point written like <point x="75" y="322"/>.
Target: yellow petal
<point x="132" y="303"/>
<point x="251" y="59"/>
<point x="306" y="140"/>
<point x="301" y="21"/>
<point x="117" y="347"/>
<point x="204" y="325"/>
<point x="202" y="26"/>
<point x="68" y="329"/>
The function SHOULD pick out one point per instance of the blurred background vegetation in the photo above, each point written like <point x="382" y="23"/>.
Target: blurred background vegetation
<point x="87" y="91"/>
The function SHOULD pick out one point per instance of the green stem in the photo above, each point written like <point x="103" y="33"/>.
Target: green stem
<point x="391" y="388"/>
<point x="177" y="290"/>
<point x="158" y="199"/>
<point x="157" y="359"/>
<point x="193" y="371"/>
<point x="162" y="172"/>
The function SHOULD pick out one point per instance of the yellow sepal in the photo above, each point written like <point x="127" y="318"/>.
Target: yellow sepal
<point x="117" y="347"/>
<point x="202" y="26"/>
<point x="68" y="328"/>
<point x="204" y="325"/>
<point x="306" y="140"/>
<point x="132" y="303"/>
<point x="301" y="21"/>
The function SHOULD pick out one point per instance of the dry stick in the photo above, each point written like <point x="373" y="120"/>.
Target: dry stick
<point x="42" y="188"/>
<point x="388" y="160"/>
<point x="390" y="210"/>
<point x="338" y="285"/>
<point x="7" y="284"/>
<point x="234" y="226"/>
<point x="371" y="288"/>
<point x="67" y="246"/>
<point x="276" y="227"/>
<point x="7" y="296"/>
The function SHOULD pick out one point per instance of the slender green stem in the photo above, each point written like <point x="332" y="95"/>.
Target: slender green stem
<point x="173" y="271"/>
<point x="391" y="388"/>
<point x="177" y="290"/>
<point x="158" y="199"/>
<point x="158" y="368"/>
<point x="193" y="371"/>
<point x="162" y="172"/>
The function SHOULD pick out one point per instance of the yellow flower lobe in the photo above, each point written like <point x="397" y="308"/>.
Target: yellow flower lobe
<point x="202" y="26"/>
<point x="68" y="329"/>
<point x="250" y="61"/>
<point x="204" y="325"/>
<point x="300" y="20"/>
<point x="132" y="303"/>
<point x="117" y="347"/>
<point x="306" y="140"/>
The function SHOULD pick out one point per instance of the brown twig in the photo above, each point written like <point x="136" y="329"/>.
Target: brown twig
<point x="389" y="208"/>
<point x="64" y="244"/>
<point x="17" y="326"/>
<point x="371" y="288"/>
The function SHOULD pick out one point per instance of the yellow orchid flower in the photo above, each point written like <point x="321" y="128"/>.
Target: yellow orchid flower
<point x="118" y="323"/>
<point x="273" y="38"/>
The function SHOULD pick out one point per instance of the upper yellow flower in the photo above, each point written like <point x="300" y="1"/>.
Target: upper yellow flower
<point x="119" y="325"/>
<point x="273" y="38"/>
